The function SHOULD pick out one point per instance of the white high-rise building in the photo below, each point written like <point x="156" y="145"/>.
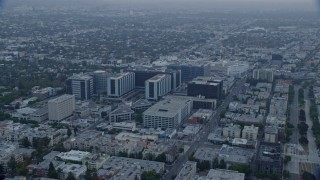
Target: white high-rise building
<point x="61" y="107"/>
<point x="158" y="86"/>
<point x="81" y="86"/>
<point x="120" y="84"/>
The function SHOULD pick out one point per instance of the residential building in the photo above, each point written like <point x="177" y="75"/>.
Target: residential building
<point x="158" y="86"/>
<point x="269" y="159"/>
<point x="205" y="154"/>
<point x="77" y="170"/>
<point x="73" y="156"/>
<point x="61" y="108"/>
<point x="81" y="86"/>
<point x="263" y="74"/>
<point x="120" y="84"/>
<point x="271" y="134"/>
<point x="225" y="174"/>
<point x="121" y="168"/>
<point x="95" y="161"/>
<point x="250" y="132"/>
<point x="232" y="131"/>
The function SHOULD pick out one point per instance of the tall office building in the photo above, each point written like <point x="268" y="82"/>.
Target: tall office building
<point x="141" y="75"/>
<point x="81" y="86"/>
<point x="100" y="82"/>
<point x="157" y="86"/>
<point x="263" y="74"/>
<point x="206" y="86"/>
<point x="61" y="107"/>
<point x="120" y="84"/>
<point x="190" y="71"/>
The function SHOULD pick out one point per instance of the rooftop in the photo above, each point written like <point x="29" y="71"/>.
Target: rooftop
<point x="80" y="77"/>
<point x="61" y="98"/>
<point x="73" y="155"/>
<point x="222" y="174"/>
<point x="168" y="107"/>
<point x="158" y="77"/>
<point x="207" y="154"/>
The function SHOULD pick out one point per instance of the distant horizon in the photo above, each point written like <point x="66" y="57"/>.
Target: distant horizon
<point x="167" y="5"/>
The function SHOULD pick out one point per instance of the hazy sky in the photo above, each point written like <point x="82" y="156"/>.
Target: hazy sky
<point x="231" y="4"/>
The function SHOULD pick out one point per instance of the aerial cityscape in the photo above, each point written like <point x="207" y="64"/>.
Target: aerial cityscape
<point x="159" y="90"/>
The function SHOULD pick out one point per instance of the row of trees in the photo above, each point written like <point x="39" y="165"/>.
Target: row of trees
<point x="314" y="117"/>
<point x="301" y="97"/>
<point x="291" y="94"/>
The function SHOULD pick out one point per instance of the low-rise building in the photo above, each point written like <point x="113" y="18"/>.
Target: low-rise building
<point x="205" y="154"/>
<point x="77" y="170"/>
<point x="189" y="169"/>
<point x="73" y="156"/>
<point x="269" y="159"/>
<point x="225" y="174"/>
<point x="232" y="131"/>
<point x="95" y="161"/>
<point x="271" y="134"/>
<point x="121" y="168"/>
<point x="122" y="113"/>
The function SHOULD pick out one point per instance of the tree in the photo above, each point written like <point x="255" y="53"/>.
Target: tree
<point x="308" y="176"/>
<point x="222" y="114"/>
<point x="241" y="168"/>
<point x="70" y="176"/>
<point x="303" y="128"/>
<point x="25" y="142"/>
<point x="215" y="163"/>
<point x="123" y="154"/>
<point x="69" y="132"/>
<point x="204" y="165"/>
<point x="287" y="159"/>
<point x="12" y="165"/>
<point x="303" y="140"/>
<point x="149" y="156"/>
<point x="2" y="176"/>
<point x="161" y="157"/>
<point x="139" y="117"/>
<point x="222" y="164"/>
<point x="52" y="173"/>
<point x="150" y="175"/>
<point x="75" y="130"/>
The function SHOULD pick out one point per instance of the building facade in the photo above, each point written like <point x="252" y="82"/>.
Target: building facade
<point x="61" y="108"/>
<point x="120" y="84"/>
<point x="168" y="113"/>
<point x="100" y="79"/>
<point x="190" y="71"/>
<point x="263" y="74"/>
<point x="207" y="87"/>
<point x="157" y="86"/>
<point x="81" y="86"/>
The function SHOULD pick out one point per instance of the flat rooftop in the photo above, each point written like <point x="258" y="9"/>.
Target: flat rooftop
<point x="168" y="107"/>
<point x="158" y="77"/>
<point x="220" y="174"/>
<point x="62" y="98"/>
